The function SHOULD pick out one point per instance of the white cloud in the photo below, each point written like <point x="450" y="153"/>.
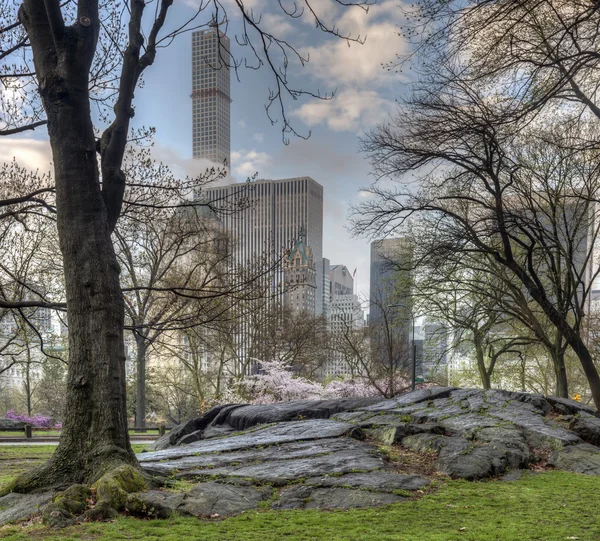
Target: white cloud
<point x="277" y="24"/>
<point x="34" y="154"/>
<point x="245" y="163"/>
<point x="258" y="137"/>
<point x="349" y="110"/>
<point x="349" y="63"/>
<point x="241" y="124"/>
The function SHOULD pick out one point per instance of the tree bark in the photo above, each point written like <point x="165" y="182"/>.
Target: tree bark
<point x="94" y="437"/>
<point x="483" y="373"/>
<point x="558" y="362"/>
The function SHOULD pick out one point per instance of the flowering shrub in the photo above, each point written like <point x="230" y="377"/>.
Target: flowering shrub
<point x="277" y="383"/>
<point x="38" y="421"/>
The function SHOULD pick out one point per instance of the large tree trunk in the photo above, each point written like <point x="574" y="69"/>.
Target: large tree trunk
<point x="94" y="436"/>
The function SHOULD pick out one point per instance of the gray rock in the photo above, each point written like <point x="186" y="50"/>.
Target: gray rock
<point x="16" y="507"/>
<point x="161" y="503"/>
<point x="303" y="497"/>
<point x="587" y="427"/>
<point x="210" y="499"/>
<point x="281" y="472"/>
<point x="463" y="460"/>
<point x="218" y="431"/>
<point x="189" y="465"/>
<point x="536" y="400"/>
<point x="380" y="481"/>
<point x="269" y="435"/>
<point x="513" y="475"/>
<point x="188" y="427"/>
<point x="414" y="397"/>
<point x="191" y="438"/>
<point x="387" y="435"/>
<point x="509" y="440"/>
<point x="371" y="420"/>
<point x="252" y="415"/>
<point x="467" y="425"/>
<point x="582" y="458"/>
<point x="566" y="405"/>
<point x="353" y="416"/>
<point x="539" y="432"/>
<point x="426" y="442"/>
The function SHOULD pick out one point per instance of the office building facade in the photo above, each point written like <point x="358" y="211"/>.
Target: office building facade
<point x="300" y="275"/>
<point x="273" y="216"/>
<point x="344" y="315"/>
<point x="211" y="102"/>
<point x="390" y="276"/>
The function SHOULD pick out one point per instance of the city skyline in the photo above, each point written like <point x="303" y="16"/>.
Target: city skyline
<point x="365" y="94"/>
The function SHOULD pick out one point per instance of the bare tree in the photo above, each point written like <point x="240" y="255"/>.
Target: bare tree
<point x="523" y="197"/>
<point x="65" y="43"/>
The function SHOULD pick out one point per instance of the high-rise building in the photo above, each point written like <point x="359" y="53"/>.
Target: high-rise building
<point x="300" y="274"/>
<point x="276" y="213"/>
<point x="344" y="315"/>
<point x="211" y="103"/>
<point x="326" y="288"/>
<point x="390" y="276"/>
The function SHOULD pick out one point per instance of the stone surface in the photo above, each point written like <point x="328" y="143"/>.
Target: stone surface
<point x="566" y="405"/>
<point x="582" y="458"/>
<point x="269" y="435"/>
<point x="381" y="481"/>
<point x="587" y="427"/>
<point x="407" y="399"/>
<point x="252" y="415"/>
<point x="290" y="451"/>
<point x="305" y="497"/>
<point x="314" y="455"/>
<point x="190" y="426"/>
<point x="209" y="499"/>
<point x="17" y="507"/>
<point x="281" y="472"/>
<point x="468" y="461"/>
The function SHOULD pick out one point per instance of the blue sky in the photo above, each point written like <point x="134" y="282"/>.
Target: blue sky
<point x="365" y="94"/>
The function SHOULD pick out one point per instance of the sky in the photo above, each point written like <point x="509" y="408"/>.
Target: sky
<point x="365" y="94"/>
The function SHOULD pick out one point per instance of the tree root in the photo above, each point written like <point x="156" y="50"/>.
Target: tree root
<point x="112" y="494"/>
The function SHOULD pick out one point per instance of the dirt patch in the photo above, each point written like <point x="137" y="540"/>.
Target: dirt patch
<point x="405" y="461"/>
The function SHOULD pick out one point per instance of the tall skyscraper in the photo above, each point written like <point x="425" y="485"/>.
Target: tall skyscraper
<point x="390" y="276"/>
<point x="276" y="214"/>
<point x="211" y="103"/>
<point x="326" y="288"/>
<point x="344" y="315"/>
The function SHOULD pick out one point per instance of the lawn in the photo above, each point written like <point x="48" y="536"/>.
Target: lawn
<point x="548" y="506"/>
<point x="54" y="433"/>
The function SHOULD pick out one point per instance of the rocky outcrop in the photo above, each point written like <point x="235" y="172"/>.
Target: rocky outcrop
<point x="334" y="454"/>
<point x="223" y="420"/>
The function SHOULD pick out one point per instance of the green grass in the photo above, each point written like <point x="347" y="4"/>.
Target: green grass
<point x="15" y="459"/>
<point x="551" y="506"/>
<point x="53" y="433"/>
